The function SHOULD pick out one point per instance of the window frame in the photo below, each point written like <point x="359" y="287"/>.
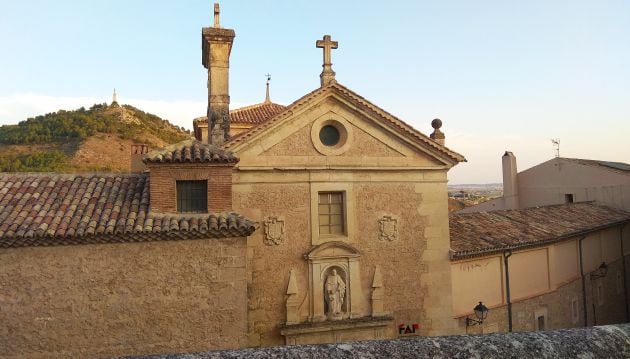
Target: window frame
<point x="329" y="213"/>
<point x="186" y="195"/>
<point x="323" y="184"/>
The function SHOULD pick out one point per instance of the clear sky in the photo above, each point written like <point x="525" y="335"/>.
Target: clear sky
<point x="502" y="75"/>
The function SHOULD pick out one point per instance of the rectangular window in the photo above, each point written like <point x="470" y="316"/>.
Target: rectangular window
<point x="568" y="198"/>
<point x="331" y="213"/>
<point x="192" y="196"/>
<point x="541" y="322"/>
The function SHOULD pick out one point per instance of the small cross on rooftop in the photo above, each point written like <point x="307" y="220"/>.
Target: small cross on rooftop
<point x="328" y="75"/>
<point x="216" y="15"/>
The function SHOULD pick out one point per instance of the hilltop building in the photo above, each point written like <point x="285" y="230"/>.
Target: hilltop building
<point x="322" y="221"/>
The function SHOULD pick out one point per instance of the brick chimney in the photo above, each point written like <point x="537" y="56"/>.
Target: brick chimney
<point x="216" y="48"/>
<point x="137" y="153"/>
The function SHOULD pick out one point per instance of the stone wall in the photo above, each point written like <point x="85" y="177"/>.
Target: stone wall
<point x="414" y="266"/>
<point x="596" y="342"/>
<point x="123" y="299"/>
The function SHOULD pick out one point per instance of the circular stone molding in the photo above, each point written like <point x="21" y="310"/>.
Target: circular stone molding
<point x="331" y="135"/>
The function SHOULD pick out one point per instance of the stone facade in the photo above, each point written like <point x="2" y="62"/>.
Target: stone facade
<point x="384" y="179"/>
<point x="123" y="299"/>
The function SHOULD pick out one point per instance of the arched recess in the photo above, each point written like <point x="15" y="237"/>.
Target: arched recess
<point x="344" y="258"/>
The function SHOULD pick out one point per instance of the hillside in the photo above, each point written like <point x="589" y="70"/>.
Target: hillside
<point x="95" y="139"/>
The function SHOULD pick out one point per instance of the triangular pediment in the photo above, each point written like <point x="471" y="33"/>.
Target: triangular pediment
<point x="334" y="249"/>
<point x="366" y="137"/>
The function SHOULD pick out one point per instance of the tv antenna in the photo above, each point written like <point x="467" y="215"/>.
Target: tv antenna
<point x="555" y="142"/>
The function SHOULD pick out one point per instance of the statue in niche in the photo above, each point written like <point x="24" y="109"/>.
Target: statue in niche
<point x="335" y="291"/>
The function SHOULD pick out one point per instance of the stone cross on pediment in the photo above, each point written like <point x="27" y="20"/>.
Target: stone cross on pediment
<point x="328" y="75"/>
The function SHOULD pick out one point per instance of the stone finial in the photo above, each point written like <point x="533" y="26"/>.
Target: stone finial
<point x="292" y="302"/>
<point x="216" y="15"/>
<point x="328" y="75"/>
<point x="437" y="135"/>
<point x="378" y="293"/>
<point x="267" y="97"/>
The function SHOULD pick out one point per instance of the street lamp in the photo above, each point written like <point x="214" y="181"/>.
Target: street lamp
<point x="600" y="272"/>
<point x="481" y="312"/>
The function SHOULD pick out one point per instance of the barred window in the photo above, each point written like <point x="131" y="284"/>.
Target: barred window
<point x="331" y="213"/>
<point x="192" y="196"/>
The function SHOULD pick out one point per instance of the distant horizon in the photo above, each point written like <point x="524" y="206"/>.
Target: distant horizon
<point x="501" y="76"/>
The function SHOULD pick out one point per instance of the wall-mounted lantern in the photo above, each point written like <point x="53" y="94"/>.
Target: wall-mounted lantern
<point x="600" y="272"/>
<point x="481" y="312"/>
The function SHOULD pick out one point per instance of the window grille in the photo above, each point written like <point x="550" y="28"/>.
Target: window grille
<point x="192" y="196"/>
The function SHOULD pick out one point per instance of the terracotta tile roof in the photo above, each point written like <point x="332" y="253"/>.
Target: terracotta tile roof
<point x="389" y="119"/>
<point x="55" y="209"/>
<point x="474" y="234"/>
<point x="251" y="115"/>
<point x="256" y="114"/>
<point x="191" y="151"/>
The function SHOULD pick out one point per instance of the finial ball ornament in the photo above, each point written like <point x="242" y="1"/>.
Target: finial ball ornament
<point x="437" y="123"/>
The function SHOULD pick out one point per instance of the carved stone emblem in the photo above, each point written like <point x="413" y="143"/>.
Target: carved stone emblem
<point x="388" y="228"/>
<point x="274" y="231"/>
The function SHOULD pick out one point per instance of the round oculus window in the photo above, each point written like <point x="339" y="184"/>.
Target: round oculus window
<point x="329" y="135"/>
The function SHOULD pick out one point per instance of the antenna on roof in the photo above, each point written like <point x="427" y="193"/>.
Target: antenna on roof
<point x="267" y="98"/>
<point x="555" y="142"/>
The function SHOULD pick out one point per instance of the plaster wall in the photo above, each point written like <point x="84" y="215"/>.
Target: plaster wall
<point x="123" y="299"/>
<point x="477" y="280"/>
<point x="548" y="183"/>
<point x="564" y="262"/>
<point x="558" y="298"/>
<point x="592" y="252"/>
<point x="529" y="273"/>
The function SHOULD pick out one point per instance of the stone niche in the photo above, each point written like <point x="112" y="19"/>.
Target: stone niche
<point x="337" y="308"/>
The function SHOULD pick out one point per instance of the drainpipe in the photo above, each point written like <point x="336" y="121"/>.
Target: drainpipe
<point x="623" y="265"/>
<point x="583" y="284"/>
<point x="507" y="254"/>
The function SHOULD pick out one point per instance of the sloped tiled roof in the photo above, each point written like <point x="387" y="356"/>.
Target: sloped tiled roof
<point x="191" y="151"/>
<point x="55" y="209"/>
<point x="389" y="119"/>
<point x="251" y="115"/>
<point x="482" y="233"/>
<point x="256" y="114"/>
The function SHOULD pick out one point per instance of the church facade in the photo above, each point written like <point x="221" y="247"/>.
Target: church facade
<point x="322" y="221"/>
<point x="340" y="186"/>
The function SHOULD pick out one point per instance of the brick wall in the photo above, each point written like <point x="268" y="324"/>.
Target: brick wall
<point x="163" y="179"/>
<point x="105" y="300"/>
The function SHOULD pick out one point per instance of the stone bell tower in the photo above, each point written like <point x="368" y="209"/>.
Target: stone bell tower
<point x="216" y="48"/>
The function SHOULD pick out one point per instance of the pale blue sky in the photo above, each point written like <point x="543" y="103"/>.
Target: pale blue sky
<point x="502" y="75"/>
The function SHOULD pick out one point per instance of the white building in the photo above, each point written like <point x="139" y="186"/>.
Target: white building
<point x="561" y="180"/>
